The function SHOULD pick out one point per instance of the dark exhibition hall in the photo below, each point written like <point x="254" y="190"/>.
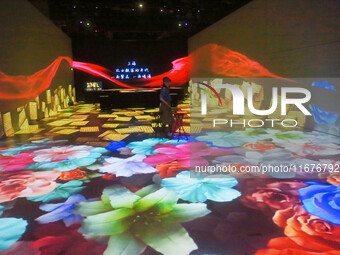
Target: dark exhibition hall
<point x="175" y="127"/>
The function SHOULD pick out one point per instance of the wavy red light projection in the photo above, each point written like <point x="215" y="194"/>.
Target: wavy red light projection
<point x="223" y="61"/>
<point x="178" y="74"/>
<point x="98" y="71"/>
<point x="18" y="90"/>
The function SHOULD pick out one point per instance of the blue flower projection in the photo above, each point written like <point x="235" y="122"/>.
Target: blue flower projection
<point x="225" y="139"/>
<point x="323" y="85"/>
<point x="64" y="165"/>
<point x="146" y="147"/>
<point x="200" y="189"/>
<point x="322" y="200"/>
<point x="62" y="211"/>
<point x="114" y="146"/>
<point x="322" y="116"/>
<point x="16" y="150"/>
<point x="11" y="229"/>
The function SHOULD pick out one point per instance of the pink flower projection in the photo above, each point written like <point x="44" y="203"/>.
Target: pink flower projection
<point x="62" y="153"/>
<point x="185" y="154"/>
<point x="15" y="162"/>
<point x="26" y="184"/>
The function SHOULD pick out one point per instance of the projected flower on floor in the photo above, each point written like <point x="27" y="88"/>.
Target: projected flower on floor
<point x="170" y="169"/>
<point x="62" y="211"/>
<point x="230" y="159"/>
<point x="270" y="197"/>
<point x="64" y="165"/>
<point x="114" y="146"/>
<point x="301" y="222"/>
<point x="61" y="191"/>
<point x="284" y="246"/>
<point x="306" y="231"/>
<point x="26" y="184"/>
<point x="334" y="179"/>
<point x="73" y="175"/>
<point x="322" y="138"/>
<point x="56" y="239"/>
<point x="225" y="139"/>
<point x="11" y="229"/>
<point x="277" y="155"/>
<point x="186" y="154"/>
<point x="260" y="147"/>
<point x="16" y="162"/>
<point x="16" y="150"/>
<point x="21" y="247"/>
<point x="280" y="136"/>
<point x="148" y="217"/>
<point x="67" y="152"/>
<point x="146" y="147"/>
<point x="126" y="166"/>
<point x="322" y="200"/>
<point x="125" y="151"/>
<point x="199" y="188"/>
<point x="287" y="166"/>
<point x="312" y="149"/>
<point x="252" y="132"/>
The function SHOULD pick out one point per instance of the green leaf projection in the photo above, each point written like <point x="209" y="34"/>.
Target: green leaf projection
<point x="133" y="221"/>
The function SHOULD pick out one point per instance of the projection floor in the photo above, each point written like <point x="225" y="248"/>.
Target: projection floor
<point x="91" y="182"/>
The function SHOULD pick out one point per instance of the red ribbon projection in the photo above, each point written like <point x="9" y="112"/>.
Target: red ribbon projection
<point x="223" y="61"/>
<point x="19" y="90"/>
<point x="98" y="71"/>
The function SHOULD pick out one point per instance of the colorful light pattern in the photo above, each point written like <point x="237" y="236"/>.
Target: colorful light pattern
<point x="81" y="206"/>
<point x="18" y="90"/>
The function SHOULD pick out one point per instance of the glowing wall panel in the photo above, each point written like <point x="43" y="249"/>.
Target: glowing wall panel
<point x="291" y="38"/>
<point x="30" y="42"/>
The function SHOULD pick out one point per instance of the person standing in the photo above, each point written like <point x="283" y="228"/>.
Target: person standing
<point x="166" y="117"/>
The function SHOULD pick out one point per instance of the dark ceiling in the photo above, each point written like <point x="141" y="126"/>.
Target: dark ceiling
<point x="133" y="20"/>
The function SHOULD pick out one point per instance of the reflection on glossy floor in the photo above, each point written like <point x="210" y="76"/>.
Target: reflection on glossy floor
<point x="88" y="182"/>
